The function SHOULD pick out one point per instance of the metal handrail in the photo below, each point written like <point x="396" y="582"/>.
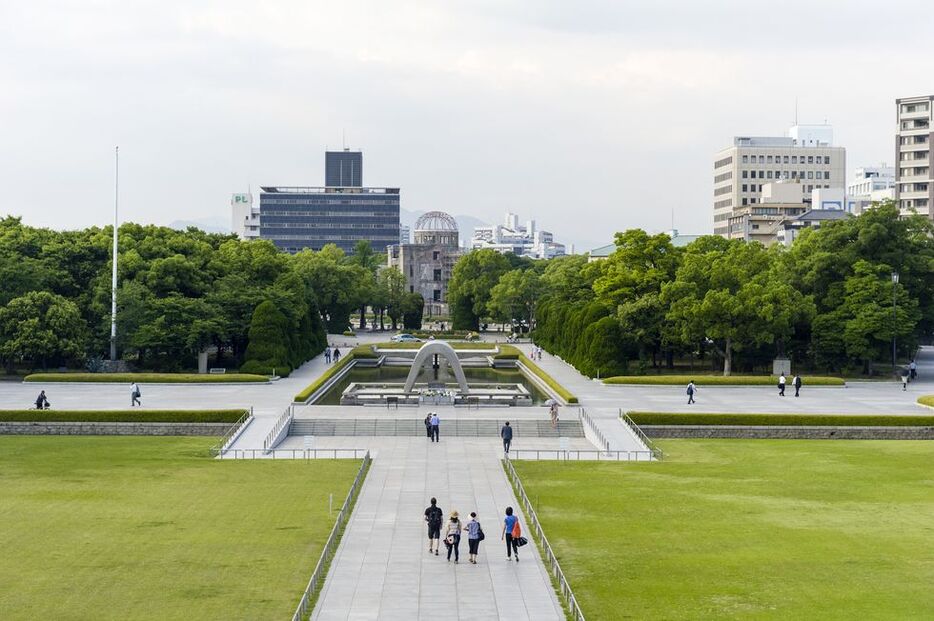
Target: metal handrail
<point x="232" y="431"/>
<point x="331" y="545"/>
<point x="284" y="419"/>
<point x="321" y="453"/>
<point x="585" y="418"/>
<point x="656" y="452"/>
<point x="581" y="455"/>
<point x="576" y="614"/>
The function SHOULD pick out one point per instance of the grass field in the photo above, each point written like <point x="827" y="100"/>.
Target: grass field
<point x="152" y="528"/>
<point x="759" y="529"/>
<point x="804" y="420"/>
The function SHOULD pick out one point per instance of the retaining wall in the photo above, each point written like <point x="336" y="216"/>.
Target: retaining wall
<point x="788" y="432"/>
<point x="112" y="429"/>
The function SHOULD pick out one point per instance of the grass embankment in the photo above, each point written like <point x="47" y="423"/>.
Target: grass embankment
<point x="416" y="346"/>
<point x="792" y="420"/>
<point x="154" y="528"/>
<point x="719" y="380"/>
<point x="147" y="378"/>
<point x="764" y="529"/>
<point x="357" y="353"/>
<point x="508" y="352"/>
<point x="927" y="400"/>
<point x="122" y="416"/>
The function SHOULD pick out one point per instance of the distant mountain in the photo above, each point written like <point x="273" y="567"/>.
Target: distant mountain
<point x="208" y="225"/>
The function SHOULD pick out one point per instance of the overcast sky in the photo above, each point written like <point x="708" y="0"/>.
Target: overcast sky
<point x="591" y="116"/>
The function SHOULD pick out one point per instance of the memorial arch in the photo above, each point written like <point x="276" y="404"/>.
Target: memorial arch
<point x="425" y="353"/>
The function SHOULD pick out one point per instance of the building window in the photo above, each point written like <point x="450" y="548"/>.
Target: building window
<point x="745" y="159"/>
<point x="826" y="159"/>
<point x="769" y="174"/>
<point x="437" y="295"/>
<point x="411" y="272"/>
<point x="745" y="188"/>
<point x="786" y="159"/>
<point x="411" y="289"/>
<point x="745" y="201"/>
<point x="810" y="159"/>
<point x="762" y="159"/>
<point x="437" y="275"/>
<point x="434" y="255"/>
<point x="769" y="159"/>
<point x="826" y="174"/>
<point x="810" y="174"/>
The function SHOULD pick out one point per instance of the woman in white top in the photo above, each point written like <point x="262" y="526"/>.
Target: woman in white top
<point x="452" y="536"/>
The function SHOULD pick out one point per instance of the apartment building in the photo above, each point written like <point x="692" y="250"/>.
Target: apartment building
<point x="806" y="158"/>
<point x="914" y="182"/>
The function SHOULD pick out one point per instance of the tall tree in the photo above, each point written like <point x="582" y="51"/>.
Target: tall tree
<point x="42" y="327"/>
<point x="474" y="276"/>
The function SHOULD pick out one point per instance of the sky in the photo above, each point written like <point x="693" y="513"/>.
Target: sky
<point x="591" y="116"/>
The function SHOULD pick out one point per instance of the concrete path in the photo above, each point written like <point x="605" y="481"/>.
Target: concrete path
<point x="382" y="569"/>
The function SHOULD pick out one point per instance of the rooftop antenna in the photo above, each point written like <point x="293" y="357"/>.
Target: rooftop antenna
<point x="113" y="281"/>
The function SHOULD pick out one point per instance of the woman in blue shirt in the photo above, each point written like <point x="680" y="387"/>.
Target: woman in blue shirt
<point x="509" y="525"/>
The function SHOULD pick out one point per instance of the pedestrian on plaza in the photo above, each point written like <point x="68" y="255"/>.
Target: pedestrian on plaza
<point x="327" y="355"/>
<point x="42" y="403"/>
<point x="428" y="425"/>
<point x="135" y="394"/>
<point x="434" y="517"/>
<point x="796" y="382"/>
<point x="506" y="434"/>
<point x="781" y="385"/>
<point x="905" y="376"/>
<point x="553" y="410"/>
<point x="691" y="391"/>
<point x="452" y="537"/>
<point x="337" y="354"/>
<point x="511" y="534"/>
<point x="474" y="536"/>
<point x="435" y="427"/>
<point x="913" y="367"/>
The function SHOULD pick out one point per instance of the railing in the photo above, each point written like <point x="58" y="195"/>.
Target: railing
<point x="321" y="453"/>
<point x="330" y="546"/>
<point x="576" y="614"/>
<point x="656" y="452"/>
<point x="601" y="440"/>
<point x="270" y="442"/>
<point x="232" y="431"/>
<point x="581" y="455"/>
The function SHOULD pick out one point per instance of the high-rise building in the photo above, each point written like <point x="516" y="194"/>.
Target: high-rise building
<point x="806" y="158"/>
<point x="914" y="176"/>
<point x="343" y="169"/>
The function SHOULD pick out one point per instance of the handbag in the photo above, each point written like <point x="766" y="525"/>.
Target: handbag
<point x="480" y="535"/>
<point x="521" y="541"/>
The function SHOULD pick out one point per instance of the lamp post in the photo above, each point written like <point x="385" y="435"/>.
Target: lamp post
<point x="894" y="318"/>
<point x="113" y="281"/>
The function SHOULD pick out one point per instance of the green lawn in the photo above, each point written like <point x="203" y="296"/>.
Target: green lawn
<point x="759" y="529"/>
<point x="152" y="528"/>
<point x="148" y="378"/>
<point x="720" y="380"/>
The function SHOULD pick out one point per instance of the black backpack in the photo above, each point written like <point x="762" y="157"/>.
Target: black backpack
<point x="435" y="516"/>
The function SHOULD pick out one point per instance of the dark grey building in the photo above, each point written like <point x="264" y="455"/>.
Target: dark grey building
<point x="294" y="218"/>
<point x="343" y="169"/>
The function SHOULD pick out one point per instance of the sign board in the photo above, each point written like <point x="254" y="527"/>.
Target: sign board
<point x="241" y="199"/>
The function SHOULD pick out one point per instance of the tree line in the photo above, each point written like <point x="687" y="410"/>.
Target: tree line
<point x="179" y="293"/>
<point x="829" y="302"/>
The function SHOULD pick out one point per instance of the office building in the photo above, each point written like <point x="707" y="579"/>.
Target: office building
<point x="759" y="221"/>
<point x="789" y="230"/>
<point x="522" y="240"/>
<point x="405" y="234"/>
<point x="343" y="169"/>
<point x="806" y="158"/>
<point x="244" y="216"/>
<point x="428" y="262"/>
<point x="869" y="180"/>
<point x="914" y="181"/>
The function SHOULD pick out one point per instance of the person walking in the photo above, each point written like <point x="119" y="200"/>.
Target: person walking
<point x="452" y="537"/>
<point x="42" y="402"/>
<point x="905" y="376"/>
<point x="474" y="537"/>
<point x="434" y="517"/>
<point x="796" y="382"/>
<point x="435" y="427"/>
<point x="428" y="425"/>
<point x="691" y="390"/>
<point x="781" y="385"/>
<point x="913" y="367"/>
<point x="135" y="394"/>
<point x="506" y="434"/>
<point x="511" y="533"/>
<point x="327" y="355"/>
<point x="553" y="411"/>
<point x="337" y="354"/>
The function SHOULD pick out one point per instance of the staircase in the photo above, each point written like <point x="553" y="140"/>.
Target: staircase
<point x="416" y="427"/>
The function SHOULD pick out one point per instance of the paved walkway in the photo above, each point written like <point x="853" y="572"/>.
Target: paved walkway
<point x="382" y="569"/>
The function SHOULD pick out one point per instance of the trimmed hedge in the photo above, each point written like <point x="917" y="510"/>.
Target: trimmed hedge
<point x="793" y="420"/>
<point x="927" y="400"/>
<point x="147" y="378"/>
<point x="508" y="352"/>
<point x="720" y="380"/>
<point x="122" y="416"/>
<point x="257" y="367"/>
<point x="415" y="346"/>
<point x="359" y="352"/>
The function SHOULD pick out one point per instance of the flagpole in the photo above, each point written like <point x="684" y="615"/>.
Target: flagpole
<point x="113" y="282"/>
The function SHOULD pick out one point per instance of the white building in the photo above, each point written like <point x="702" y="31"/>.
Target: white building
<point x="806" y="158"/>
<point x="914" y="181"/>
<point x="826" y="199"/>
<point x="870" y="179"/>
<point x="244" y="216"/>
<point x="523" y="241"/>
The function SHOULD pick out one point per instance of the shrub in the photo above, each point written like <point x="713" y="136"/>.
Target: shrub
<point x="357" y="353"/>
<point x="508" y="352"/>
<point x="719" y="380"/>
<point x="803" y="420"/>
<point x="927" y="400"/>
<point x="146" y="378"/>
<point x="348" y="333"/>
<point x="122" y="416"/>
<point x="269" y="344"/>
<point x="260" y="367"/>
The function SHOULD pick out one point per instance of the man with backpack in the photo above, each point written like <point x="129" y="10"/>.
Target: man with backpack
<point x="135" y="394"/>
<point x="434" y="517"/>
<point x="690" y="391"/>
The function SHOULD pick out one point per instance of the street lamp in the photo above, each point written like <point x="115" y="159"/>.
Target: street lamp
<point x="894" y="318"/>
